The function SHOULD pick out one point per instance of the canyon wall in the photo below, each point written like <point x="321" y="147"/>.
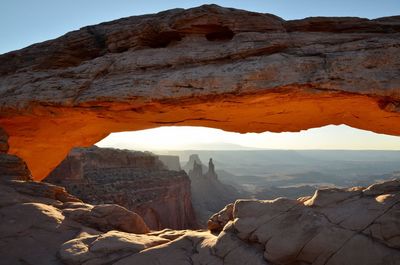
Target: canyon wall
<point x="209" y="195"/>
<point x="138" y="181"/>
<point x="170" y="161"/>
<point x="206" y="66"/>
<point x="11" y="166"/>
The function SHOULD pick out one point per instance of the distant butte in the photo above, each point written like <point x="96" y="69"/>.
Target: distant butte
<point x="206" y="66"/>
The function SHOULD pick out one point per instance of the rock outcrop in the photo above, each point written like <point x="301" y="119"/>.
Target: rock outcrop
<point x="209" y="195"/>
<point x="36" y="228"/>
<point x="206" y="66"/>
<point x="106" y="217"/>
<point x="11" y="166"/>
<point x="135" y="180"/>
<point x="171" y="162"/>
<point x="190" y="164"/>
<point x="335" y="226"/>
<point x="218" y="221"/>
<point x="37" y="218"/>
<point x="3" y="141"/>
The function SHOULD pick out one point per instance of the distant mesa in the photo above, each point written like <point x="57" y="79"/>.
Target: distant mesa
<point x="171" y="162"/>
<point x="194" y="158"/>
<point x="209" y="195"/>
<point x="197" y="170"/>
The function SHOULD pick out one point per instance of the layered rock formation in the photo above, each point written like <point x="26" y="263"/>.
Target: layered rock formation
<point x="207" y="66"/>
<point x="335" y="226"/>
<point x="190" y="164"/>
<point x="37" y="227"/>
<point x="171" y="162"/>
<point x="135" y="180"/>
<point x="11" y="166"/>
<point x="36" y="219"/>
<point x="3" y="141"/>
<point x="209" y="195"/>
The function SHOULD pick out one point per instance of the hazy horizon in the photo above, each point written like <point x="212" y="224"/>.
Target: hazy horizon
<point x="174" y="138"/>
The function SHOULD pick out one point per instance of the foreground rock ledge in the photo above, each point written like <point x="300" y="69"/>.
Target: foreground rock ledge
<point x="42" y="224"/>
<point x="207" y="66"/>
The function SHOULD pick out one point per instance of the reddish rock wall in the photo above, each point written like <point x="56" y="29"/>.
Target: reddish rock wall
<point x="136" y="180"/>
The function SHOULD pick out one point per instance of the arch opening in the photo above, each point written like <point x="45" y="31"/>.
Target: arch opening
<point x="44" y="136"/>
<point x="177" y="176"/>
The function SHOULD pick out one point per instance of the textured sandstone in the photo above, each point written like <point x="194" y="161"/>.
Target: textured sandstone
<point x="353" y="226"/>
<point x="105" y="248"/>
<point x="207" y="66"/>
<point x="3" y="141"/>
<point x="217" y="222"/>
<point x="135" y="180"/>
<point x="36" y="218"/>
<point x="106" y="217"/>
<point x="37" y="228"/>
<point x="13" y="168"/>
<point x="44" y="190"/>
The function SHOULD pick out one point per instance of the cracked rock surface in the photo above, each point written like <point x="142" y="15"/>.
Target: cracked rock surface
<point x="335" y="226"/>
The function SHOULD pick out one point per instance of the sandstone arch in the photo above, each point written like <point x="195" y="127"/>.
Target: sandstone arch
<point x="208" y="66"/>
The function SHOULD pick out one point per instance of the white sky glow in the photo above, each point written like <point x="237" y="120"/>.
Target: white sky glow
<point x="201" y="138"/>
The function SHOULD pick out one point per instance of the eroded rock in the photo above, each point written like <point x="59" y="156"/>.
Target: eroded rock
<point x="3" y="141"/>
<point x="335" y="226"/>
<point x="37" y="227"/>
<point x="105" y="248"/>
<point x="206" y="66"/>
<point x="219" y="220"/>
<point x="209" y="194"/>
<point x="13" y="168"/>
<point x="31" y="233"/>
<point x="43" y="189"/>
<point x="106" y="217"/>
<point x="138" y="181"/>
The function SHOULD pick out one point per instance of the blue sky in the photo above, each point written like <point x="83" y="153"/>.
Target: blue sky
<point x="24" y="22"/>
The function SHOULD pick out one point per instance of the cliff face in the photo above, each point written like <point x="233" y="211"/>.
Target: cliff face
<point x="11" y="166"/>
<point x="135" y="180"/>
<point x="209" y="195"/>
<point x="207" y="66"/>
<point x="171" y="162"/>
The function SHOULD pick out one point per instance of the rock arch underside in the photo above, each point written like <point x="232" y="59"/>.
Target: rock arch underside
<point x="207" y="66"/>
